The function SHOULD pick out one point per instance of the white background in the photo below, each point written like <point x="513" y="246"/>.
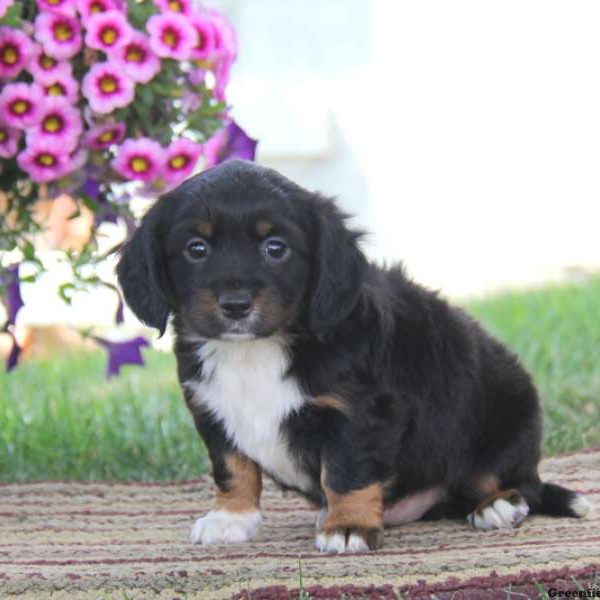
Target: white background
<point x="465" y="134"/>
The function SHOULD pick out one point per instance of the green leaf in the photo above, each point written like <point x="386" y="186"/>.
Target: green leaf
<point x="64" y="290"/>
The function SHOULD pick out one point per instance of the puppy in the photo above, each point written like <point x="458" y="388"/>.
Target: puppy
<point x="343" y="381"/>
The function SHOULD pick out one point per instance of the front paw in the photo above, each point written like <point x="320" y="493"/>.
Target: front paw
<point x="349" y="539"/>
<point x="224" y="527"/>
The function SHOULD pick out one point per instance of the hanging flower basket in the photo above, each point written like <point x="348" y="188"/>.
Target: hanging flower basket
<point x="105" y="100"/>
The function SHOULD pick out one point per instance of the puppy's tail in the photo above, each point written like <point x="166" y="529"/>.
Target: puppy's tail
<point x="557" y="501"/>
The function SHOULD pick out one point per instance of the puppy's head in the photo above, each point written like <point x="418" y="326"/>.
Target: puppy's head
<point x="241" y="252"/>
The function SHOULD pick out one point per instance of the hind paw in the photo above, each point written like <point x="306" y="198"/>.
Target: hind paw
<point x="504" y="510"/>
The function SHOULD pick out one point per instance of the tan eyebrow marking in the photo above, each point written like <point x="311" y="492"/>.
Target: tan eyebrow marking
<point x="205" y="228"/>
<point x="263" y="228"/>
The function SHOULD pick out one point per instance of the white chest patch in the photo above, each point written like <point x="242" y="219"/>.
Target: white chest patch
<point x="244" y="385"/>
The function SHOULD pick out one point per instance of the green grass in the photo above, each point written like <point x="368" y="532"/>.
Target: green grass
<point x="556" y="333"/>
<point x="62" y="419"/>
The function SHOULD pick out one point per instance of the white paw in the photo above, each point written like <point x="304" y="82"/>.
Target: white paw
<point x="224" y="527"/>
<point x="499" y="515"/>
<point x="580" y="506"/>
<point x="336" y="543"/>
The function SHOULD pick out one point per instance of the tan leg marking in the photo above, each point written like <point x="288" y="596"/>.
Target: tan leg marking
<point x="354" y="521"/>
<point x="236" y="517"/>
<point x="245" y="485"/>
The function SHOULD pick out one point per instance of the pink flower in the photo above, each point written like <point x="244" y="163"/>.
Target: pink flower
<point x="20" y="104"/>
<point x="181" y="158"/>
<point x="43" y="160"/>
<point x="9" y="141"/>
<point x="77" y="160"/>
<point x="224" y="53"/>
<point x="106" y="87"/>
<point x="60" y="122"/>
<point x="206" y="43"/>
<point x="171" y="35"/>
<point x="137" y="59"/>
<point x="177" y="6"/>
<point x="45" y="68"/>
<point x="60" y="35"/>
<point x="64" y="7"/>
<point x="15" y="51"/>
<point x="4" y="6"/>
<point x="108" y="31"/>
<point x="222" y="75"/>
<point x="104" y="136"/>
<point x="225" y="38"/>
<point x="140" y="159"/>
<point x="62" y="83"/>
<point x="87" y="8"/>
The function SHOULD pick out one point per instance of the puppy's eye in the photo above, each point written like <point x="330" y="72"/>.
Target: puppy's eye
<point x="275" y="249"/>
<point x="197" y="250"/>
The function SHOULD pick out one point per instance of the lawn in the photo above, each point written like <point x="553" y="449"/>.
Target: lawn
<point x="62" y="420"/>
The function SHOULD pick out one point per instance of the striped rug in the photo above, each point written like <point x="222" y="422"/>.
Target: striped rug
<point x="105" y="540"/>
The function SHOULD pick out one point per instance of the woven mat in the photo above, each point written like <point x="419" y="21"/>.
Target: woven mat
<point x="103" y="540"/>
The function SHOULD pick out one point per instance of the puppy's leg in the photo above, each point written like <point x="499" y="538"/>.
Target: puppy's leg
<point x="236" y="516"/>
<point x="353" y="521"/>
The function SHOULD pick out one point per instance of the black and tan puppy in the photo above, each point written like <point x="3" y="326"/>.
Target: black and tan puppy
<point x="343" y="381"/>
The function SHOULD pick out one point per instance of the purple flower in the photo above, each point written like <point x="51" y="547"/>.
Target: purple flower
<point x="206" y="44"/>
<point x="183" y="7"/>
<point x="108" y="31"/>
<point x="171" y="35"/>
<point x="13" y="357"/>
<point x="59" y="35"/>
<point x="140" y="159"/>
<point x="122" y="353"/>
<point x="60" y="122"/>
<point x="61" y="83"/>
<point x="20" y="105"/>
<point x="104" y="136"/>
<point x="197" y="76"/>
<point x="15" y="51"/>
<point x="181" y="158"/>
<point x="64" y="7"/>
<point x="45" y="68"/>
<point x="9" y="141"/>
<point x="87" y="8"/>
<point x="4" y="5"/>
<point x="14" y="301"/>
<point x="229" y="142"/>
<point x="106" y="87"/>
<point x="44" y="161"/>
<point x="137" y="59"/>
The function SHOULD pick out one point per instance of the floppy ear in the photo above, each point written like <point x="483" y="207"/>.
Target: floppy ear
<point x="338" y="267"/>
<point x="141" y="270"/>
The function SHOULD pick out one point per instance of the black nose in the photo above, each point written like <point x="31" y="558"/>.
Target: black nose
<point x="235" y="305"/>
